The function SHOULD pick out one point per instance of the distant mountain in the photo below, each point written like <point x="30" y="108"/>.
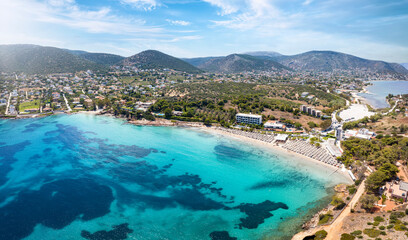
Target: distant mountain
<point x="198" y="61"/>
<point x="405" y="65"/>
<point x="264" y="54"/>
<point x="235" y="63"/>
<point x="151" y="59"/>
<point x="33" y="59"/>
<point x="329" y="61"/>
<point x="100" y="58"/>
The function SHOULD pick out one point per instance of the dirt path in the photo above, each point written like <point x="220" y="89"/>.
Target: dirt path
<point x="402" y="174"/>
<point x="334" y="230"/>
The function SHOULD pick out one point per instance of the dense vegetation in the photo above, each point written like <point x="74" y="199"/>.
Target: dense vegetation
<point x="152" y="59"/>
<point x="32" y="59"/>
<point x="102" y="58"/>
<point x="381" y="153"/>
<point x="236" y="63"/>
<point x="329" y="61"/>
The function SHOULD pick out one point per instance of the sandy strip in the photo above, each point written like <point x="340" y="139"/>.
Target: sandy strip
<point x="259" y="143"/>
<point x="212" y="130"/>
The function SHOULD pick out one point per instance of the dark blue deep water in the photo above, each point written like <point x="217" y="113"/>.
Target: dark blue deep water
<point x="98" y="178"/>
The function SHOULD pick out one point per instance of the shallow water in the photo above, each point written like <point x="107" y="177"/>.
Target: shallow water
<point x="94" y="177"/>
<point x="378" y="92"/>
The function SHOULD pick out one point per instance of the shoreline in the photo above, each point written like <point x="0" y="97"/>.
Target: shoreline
<point x="278" y="149"/>
<point x="299" y="158"/>
<point x="161" y="122"/>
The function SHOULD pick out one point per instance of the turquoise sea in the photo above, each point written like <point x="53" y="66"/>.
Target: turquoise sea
<point x="96" y="177"/>
<point x="380" y="89"/>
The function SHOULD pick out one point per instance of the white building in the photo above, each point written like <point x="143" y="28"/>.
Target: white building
<point x="274" y="125"/>
<point x="339" y="134"/>
<point x="361" y="133"/>
<point x="311" y="111"/>
<point x="248" y="118"/>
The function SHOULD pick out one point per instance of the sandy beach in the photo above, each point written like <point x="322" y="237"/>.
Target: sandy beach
<point x="304" y="159"/>
<point x="268" y="146"/>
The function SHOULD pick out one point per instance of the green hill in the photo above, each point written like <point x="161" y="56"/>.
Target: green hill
<point x="100" y="58"/>
<point x="241" y="63"/>
<point x="33" y="59"/>
<point x="152" y="59"/>
<point x="330" y="61"/>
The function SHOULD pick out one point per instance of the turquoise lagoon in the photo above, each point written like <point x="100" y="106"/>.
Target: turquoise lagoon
<point x="379" y="90"/>
<point x="94" y="177"/>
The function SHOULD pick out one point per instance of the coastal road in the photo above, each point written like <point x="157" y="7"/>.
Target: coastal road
<point x="334" y="229"/>
<point x="392" y="109"/>
<point x="8" y="105"/>
<point x="66" y="102"/>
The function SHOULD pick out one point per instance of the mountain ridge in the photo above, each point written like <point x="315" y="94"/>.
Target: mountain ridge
<point x="100" y="58"/>
<point x="151" y="59"/>
<point x="34" y="59"/>
<point x="234" y="63"/>
<point x="331" y="60"/>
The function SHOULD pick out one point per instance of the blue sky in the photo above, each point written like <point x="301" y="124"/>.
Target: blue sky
<point x="374" y="29"/>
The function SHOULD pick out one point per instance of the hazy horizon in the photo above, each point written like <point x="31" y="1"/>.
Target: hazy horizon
<point x="200" y="28"/>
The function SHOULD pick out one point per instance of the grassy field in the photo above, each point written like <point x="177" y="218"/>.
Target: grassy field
<point x="28" y="105"/>
<point x="127" y="80"/>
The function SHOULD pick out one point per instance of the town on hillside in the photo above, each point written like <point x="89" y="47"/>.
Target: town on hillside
<point x="318" y="116"/>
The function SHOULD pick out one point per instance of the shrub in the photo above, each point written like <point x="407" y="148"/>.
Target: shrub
<point x="406" y="211"/>
<point x="400" y="227"/>
<point x="352" y="190"/>
<point x="395" y="215"/>
<point x="376" y="223"/>
<point x="373" y="233"/>
<point x="390" y="226"/>
<point x="346" y="236"/>
<point x="368" y="201"/>
<point x="383" y="233"/>
<point x="336" y="200"/>
<point x="325" y="218"/>
<point x="381" y="227"/>
<point x="356" y="233"/>
<point x="320" y="235"/>
<point x="340" y="206"/>
<point x="379" y="219"/>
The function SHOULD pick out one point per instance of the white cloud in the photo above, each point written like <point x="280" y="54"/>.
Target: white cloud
<point x="142" y="4"/>
<point x="60" y="3"/>
<point x="178" y="22"/>
<point x="21" y="14"/>
<point x="227" y="6"/>
<point x="259" y="15"/>
<point x="307" y="2"/>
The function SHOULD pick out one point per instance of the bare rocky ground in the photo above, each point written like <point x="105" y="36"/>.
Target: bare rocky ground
<point x="359" y="221"/>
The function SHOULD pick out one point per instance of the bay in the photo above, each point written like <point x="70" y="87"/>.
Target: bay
<point x="95" y="177"/>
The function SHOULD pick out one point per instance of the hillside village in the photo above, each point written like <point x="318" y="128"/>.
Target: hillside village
<point x="314" y="114"/>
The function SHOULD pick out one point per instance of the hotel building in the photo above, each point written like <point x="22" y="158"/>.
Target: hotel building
<point x="248" y="118"/>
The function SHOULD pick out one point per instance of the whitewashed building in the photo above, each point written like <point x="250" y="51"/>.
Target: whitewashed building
<point x="248" y="118"/>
